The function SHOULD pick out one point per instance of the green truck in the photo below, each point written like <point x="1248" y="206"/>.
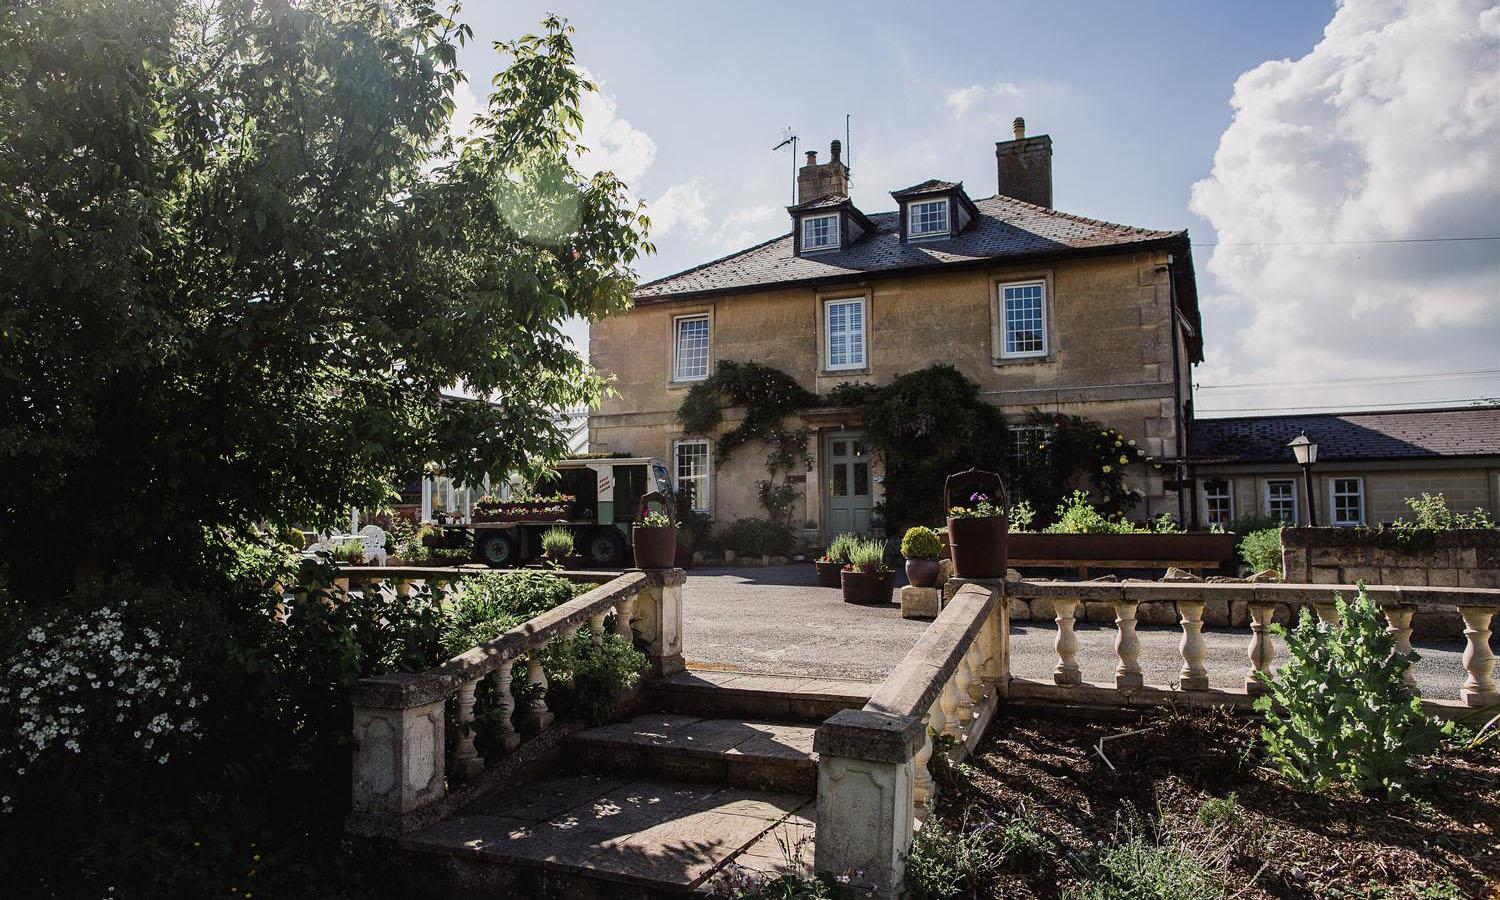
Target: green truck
<point x="606" y="493"/>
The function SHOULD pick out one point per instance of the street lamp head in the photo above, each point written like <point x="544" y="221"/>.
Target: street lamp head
<point x="1304" y="449"/>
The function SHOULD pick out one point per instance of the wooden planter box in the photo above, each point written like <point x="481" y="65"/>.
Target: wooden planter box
<point x="1191" y="550"/>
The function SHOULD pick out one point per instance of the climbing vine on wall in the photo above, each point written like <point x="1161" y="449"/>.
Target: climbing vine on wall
<point x="1073" y="449"/>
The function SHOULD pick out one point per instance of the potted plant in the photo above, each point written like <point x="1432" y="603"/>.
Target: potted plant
<point x="976" y="530"/>
<point x="920" y="546"/>
<point x="866" y="578"/>
<point x="557" y="546"/>
<point x="349" y="553"/>
<point x="654" y="535"/>
<point x="833" y="560"/>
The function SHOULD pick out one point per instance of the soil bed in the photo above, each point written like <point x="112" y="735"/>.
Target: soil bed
<point x="1281" y="842"/>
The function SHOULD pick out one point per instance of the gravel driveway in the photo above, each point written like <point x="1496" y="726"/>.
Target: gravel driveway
<point x="778" y="620"/>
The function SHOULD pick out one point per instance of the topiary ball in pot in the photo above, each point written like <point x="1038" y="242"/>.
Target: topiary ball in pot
<point x="921" y="547"/>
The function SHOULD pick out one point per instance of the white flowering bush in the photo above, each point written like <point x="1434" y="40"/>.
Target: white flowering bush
<point x="78" y="679"/>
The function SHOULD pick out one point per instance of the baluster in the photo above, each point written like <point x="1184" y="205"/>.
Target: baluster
<point x="1479" y="661"/>
<point x="466" y="759"/>
<point x="1328" y="611"/>
<point x="975" y="659"/>
<point x="403" y="588"/>
<point x="1262" y="651"/>
<point x="961" y="682"/>
<point x="949" y="702"/>
<point x="505" y="702"/>
<point x="1127" y="647"/>
<point x="922" y="784"/>
<point x="1399" y="618"/>
<point x="538" y="717"/>
<point x="624" y="611"/>
<point x="568" y="634"/>
<point x="341" y="588"/>
<point x="596" y="626"/>
<point x="1194" y="676"/>
<point x="1067" y="671"/>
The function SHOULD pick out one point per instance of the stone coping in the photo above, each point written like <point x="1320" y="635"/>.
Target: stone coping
<point x="1265" y="592"/>
<point x="429" y="573"/>
<point x="1384" y="537"/>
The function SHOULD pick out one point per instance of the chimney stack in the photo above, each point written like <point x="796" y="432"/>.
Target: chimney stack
<point x="816" y="180"/>
<point x="1025" y="166"/>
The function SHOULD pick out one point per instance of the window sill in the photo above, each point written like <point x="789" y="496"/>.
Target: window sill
<point x="999" y="361"/>
<point x="843" y="373"/>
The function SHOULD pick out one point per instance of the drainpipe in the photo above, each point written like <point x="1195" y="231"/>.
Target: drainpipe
<point x="1177" y="406"/>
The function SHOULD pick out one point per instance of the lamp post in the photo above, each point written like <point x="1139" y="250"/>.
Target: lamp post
<point x="1306" y="452"/>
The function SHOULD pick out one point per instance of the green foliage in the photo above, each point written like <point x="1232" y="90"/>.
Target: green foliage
<point x="867" y="555"/>
<point x="1414" y="890"/>
<point x="557" y="542"/>
<point x="243" y="260"/>
<point x="1261" y="550"/>
<point x="1243" y="525"/>
<point x="946" y="862"/>
<point x="838" y="548"/>
<point x="1431" y="513"/>
<point x="1077" y="515"/>
<point x="921" y="542"/>
<point x="1139" y="865"/>
<point x="777" y="499"/>
<point x="758" y="537"/>
<point x="1076" y="448"/>
<point x="924" y="426"/>
<point x="351" y="551"/>
<point x="1338" y="710"/>
<point x="768" y="396"/>
<point x="655" y="519"/>
<point x="587" y="679"/>
<point x="978" y="506"/>
<point x="1020" y="516"/>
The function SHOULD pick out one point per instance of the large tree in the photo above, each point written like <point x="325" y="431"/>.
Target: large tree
<point x="242" y="257"/>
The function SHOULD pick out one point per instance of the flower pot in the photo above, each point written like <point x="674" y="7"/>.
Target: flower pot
<point x="867" y="587"/>
<point x="655" y="546"/>
<point x="1144" y="549"/>
<point x="828" y="572"/>
<point x="978" y="547"/>
<point x="922" y="573"/>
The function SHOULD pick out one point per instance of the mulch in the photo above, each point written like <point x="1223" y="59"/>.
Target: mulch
<point x="1167" y="764"/>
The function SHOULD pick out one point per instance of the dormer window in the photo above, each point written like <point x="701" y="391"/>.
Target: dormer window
<point x="820" y="232"/>
<point x="928" y="218"/>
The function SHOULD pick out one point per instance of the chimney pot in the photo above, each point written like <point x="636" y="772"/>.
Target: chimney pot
<point x="1019" y="127"/>
<point x="834" y="149"/>
<point x="812" y="157"/>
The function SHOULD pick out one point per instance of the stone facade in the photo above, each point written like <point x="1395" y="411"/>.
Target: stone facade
<point x="1110" y="359"/>
<point x="1468" y="558"/>
<point x="1465" y="485"/>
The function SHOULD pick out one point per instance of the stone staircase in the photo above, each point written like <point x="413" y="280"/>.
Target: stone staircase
<point x="716" y="775"/>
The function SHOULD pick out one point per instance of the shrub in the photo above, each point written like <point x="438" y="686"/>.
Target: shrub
<point x="947" y="863"/>
<point x="1139" y="865"/>
<point x="521" y="594"/>
<point x="1254" y="522"/>
<point x="1432" y="514"/>
<point x="350" y="551"/>
<point x="592" y="677"/>
<point x="1021" y="516"/>
<point x="1338" y="711"/>
<point x="867" y="555"/>
<point x="759" y="537"/>
<point x="1076" y="515"/>
<point x="557" y="542"/>
<point x="450" y="556"/>
<point x="921" y="542"/>
<point x="838" y="548"/>
<point x="1261" y="550"/>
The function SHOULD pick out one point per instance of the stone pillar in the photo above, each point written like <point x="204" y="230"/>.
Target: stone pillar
<point x="1194" y="676"/>
<point x="1261" y="651"/>
<point x="1127" y="647"/>
<point x="658" y="610"/>
<point x="1399" y="618"/>
<point x="398" y="749"/>
<point x="865" y="799"/>
<point x="1479" y="660"/>
<point x="1067" y="671"/>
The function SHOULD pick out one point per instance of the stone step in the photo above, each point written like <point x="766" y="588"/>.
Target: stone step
<point x="735" y="752"/>
<point x="589" y="836"/>
<point x="788" y="698"/>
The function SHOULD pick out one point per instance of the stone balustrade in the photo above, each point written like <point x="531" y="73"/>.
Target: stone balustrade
<point x="1262" y="604"/>
<point x="413" y="762"/>
<point x="874" y="763"/>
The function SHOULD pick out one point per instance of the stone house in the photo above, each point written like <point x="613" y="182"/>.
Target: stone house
<point x="1043" y="309"/>
<point x="1368" y="464"/>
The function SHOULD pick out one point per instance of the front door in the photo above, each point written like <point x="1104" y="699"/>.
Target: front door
<point x="846" y="479"/>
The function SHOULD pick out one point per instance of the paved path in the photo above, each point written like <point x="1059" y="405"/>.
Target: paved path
<point x="777" y="620"/>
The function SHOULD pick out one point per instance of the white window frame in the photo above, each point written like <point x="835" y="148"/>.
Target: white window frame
<point x="833" y="233"/>
<point x="677" y="323"/>
<point x="1228" y="495"/>
<point x="911" y="219"/>
<point x="1334" y="493"/>
<point x="864" y="335"/>
<point x="1296" y="500"/>
<point x="702" y="500"/>
<point x="1006" y="353"/>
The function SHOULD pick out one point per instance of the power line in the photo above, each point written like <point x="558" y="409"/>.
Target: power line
<point x="1431" y="240"/>
<point x="1474" y="374"/>
<point x="1363" y="406"/>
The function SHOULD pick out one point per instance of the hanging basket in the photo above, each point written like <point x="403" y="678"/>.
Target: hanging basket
<point x="977" y="545"/>
<point x="655" y="546"/>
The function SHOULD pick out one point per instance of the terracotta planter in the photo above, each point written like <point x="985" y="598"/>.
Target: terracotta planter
<point x="867" y="587"/>
<point x="922" y="573"/>
<point x="1192" y="546"/>
<point x="978" y="547"/>
<point x="828" y="573"/>
<point x="655" y="546"/>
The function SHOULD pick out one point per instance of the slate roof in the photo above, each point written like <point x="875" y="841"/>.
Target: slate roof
<point x="930" y="186"/>
<point x="1006" y="228"/>
<point x="1343" y="437"/>
<point x="823" y="202"/>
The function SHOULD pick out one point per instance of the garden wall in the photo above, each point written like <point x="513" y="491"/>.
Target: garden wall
<point x="1459" y="558"/>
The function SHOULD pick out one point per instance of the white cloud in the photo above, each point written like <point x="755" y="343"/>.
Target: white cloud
<point x="681" y="206"/>
<point x="613" y="143"/>
<point x="1386" y="130"/>
<point x="978" y="95"/>
<point x="750" y="225"/>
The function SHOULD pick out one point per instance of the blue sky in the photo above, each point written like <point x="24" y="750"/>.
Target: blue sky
<point x="1137" y="99"/>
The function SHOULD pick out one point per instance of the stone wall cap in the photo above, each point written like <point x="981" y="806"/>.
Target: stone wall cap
<point x="400" y="690"/>
<point x="869" y="735"/>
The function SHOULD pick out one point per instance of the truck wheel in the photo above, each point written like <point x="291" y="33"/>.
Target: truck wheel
<point x="606" y="547"/>
<point x="497" y="549"/>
